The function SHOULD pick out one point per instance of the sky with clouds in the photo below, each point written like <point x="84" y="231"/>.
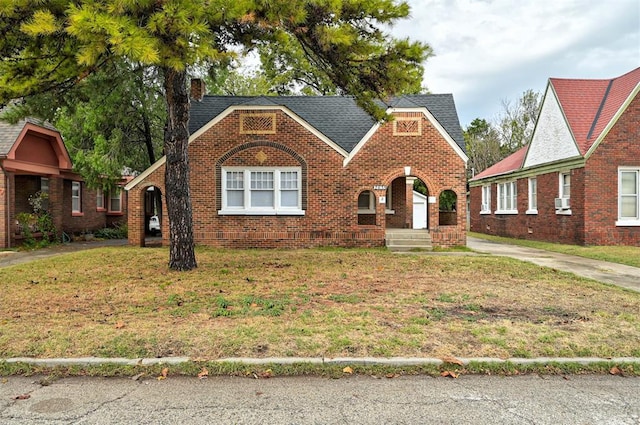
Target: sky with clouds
<point x="487" y="51"/>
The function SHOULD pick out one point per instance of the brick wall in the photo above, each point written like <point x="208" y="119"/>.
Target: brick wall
<point x="330" y="190"/>
<point x="4" y="224"/>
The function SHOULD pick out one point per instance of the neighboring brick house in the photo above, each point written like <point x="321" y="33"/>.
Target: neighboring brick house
<point x="312" y="171"/>
<point x="33" y="159"/>
<point x="578" y="181"/>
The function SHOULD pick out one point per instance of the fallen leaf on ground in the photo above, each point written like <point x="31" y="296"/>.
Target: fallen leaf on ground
<point x="165" y="372"/>
<point x="347" y="370"/>
<point x="452" y="360"/>
<point x="22" y="397"/>
<point x="449" y="374"/>
<point x="138" y="376"/>
<point x="203" y="373"/>
<point x="616" y="371"/>
<point x="391" y="375"/>
<point x="266" y="374"/>
<point x="119" y="325"/>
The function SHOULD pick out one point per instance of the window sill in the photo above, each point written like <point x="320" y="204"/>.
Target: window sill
<point x="532" y="212"/>
<point x="101" y="209"/>
<point x="389" y="211"/>
<point x="630" y="223"/>
<point x="563" y="212"/>
<point x="509" y="212"/>
<point x="77" y="214"/>
<point x="115" y="213"/>
<point x="485" y="212"/>
<point x="261" y="212"/>
<point x="366" y="211"/>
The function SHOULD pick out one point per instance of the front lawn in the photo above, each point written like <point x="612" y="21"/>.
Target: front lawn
<point x="124" y="302"/>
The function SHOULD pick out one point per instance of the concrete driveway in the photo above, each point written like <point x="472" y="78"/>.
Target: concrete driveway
<point x="602" y="271"/>
<point x="9" y="258"/>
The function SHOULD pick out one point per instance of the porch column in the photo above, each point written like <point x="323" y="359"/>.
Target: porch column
<point x="408" y="224"/>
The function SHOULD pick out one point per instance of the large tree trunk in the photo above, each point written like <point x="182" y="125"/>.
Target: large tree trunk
<point x="178" y="194"/>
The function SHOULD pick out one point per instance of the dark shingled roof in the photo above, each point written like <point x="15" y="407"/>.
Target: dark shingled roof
<point x="337" y="117"/>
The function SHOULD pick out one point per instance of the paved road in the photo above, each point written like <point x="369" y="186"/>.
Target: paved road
<point x="305" y="400"/>
<point x="615" y="274"/>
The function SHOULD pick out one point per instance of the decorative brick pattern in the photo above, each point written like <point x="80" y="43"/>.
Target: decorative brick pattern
<point x="264" y="123"/>
<point x="407" y="126"/>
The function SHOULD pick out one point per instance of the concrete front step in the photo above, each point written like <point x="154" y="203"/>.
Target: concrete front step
<point x="403" y="240"/>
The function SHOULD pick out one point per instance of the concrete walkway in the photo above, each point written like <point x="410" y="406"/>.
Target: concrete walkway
<point x="9" y="258"/>
<point x="602" y="271"/>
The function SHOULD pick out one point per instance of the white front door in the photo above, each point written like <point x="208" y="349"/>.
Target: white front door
<point x="419" y="210"/>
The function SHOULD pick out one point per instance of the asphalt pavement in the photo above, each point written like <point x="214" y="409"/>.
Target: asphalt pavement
<point x="495" y="400"/>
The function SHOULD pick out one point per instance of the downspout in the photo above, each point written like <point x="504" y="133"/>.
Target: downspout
<point x="7" y="205"/>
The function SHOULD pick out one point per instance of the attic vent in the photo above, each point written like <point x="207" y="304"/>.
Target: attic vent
<point x="258" y="123"/>
<point x="407" y="126"/>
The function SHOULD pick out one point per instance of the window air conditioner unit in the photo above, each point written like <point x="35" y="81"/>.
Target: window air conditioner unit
<point x="562" y="203"/>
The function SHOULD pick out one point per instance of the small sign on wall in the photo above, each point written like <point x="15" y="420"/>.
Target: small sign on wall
<point x="383" y="199"/>
<point x="432" y="199"/>
<point x="379" y="187"/>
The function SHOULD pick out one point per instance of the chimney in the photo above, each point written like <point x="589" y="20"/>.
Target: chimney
<point x="198" y="89"/>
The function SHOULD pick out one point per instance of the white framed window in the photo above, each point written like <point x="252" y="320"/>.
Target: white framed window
<point x="366" y="202"/>
<point x="261" y="191"/>
<point x="115" y="201"/>
<point x="563" y="201"/>
<point x="76" y="198"/>
<point x="507" y="198"/>
<point x="485" y="207"/>
<point x="99" y="200"/>
<point x="44" y="185"/>
<point x="533" y="196"/>
<point x="628" y="196"/>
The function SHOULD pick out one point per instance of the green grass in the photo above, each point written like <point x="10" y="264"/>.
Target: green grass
<point x="629" y="255"/>
<point x="124" y="302"/>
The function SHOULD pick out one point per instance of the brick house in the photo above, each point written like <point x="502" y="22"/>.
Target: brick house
<point x="578" y="181"/>
<point x="33" y="159"/>
<point x="311" y="171"/>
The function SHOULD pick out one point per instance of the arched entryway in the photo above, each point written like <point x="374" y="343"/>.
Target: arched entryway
<point x="152" y="216"/>
<point x="407" y="204"/>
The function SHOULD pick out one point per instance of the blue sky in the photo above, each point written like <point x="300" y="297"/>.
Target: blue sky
<point x="493" y="50"/>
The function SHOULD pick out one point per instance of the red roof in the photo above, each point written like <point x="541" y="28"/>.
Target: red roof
<point x="511" y="163"/>
<point x="589" y="105"/>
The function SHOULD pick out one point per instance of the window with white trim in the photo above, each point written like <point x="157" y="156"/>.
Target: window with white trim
<point x="262" y="191"/>
<point x="565" y="186"/>
<point x="76" y="197"/>
<point x="507" y="197"/>
<point x="533" y="196"/>
<point x="115" y="201"/>
<point x="366" y="202"/>
<point x="485" y="207"/>
<point x="628" y="196"/>
<point x="99" y="200"/>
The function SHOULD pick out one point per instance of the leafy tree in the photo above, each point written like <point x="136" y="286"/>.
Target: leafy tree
<point x="53" y="45"/>
<point x="113" y="121"/>
<point x="483" y="145"/>
<point x="518" y="120"/>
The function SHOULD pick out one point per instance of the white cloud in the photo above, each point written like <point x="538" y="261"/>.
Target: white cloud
<point x="491" y="50"/>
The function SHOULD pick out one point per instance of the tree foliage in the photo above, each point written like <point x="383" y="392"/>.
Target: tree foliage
<point x="490" y="142"/>
<point x="49" y="46"/>
<point x="112" y="122"/>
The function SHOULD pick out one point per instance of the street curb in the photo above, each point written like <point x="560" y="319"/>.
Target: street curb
<point x="371" y="361"/>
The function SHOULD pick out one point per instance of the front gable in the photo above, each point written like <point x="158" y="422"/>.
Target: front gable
<point x="38" y="150"/>
<point x="552" y="138"/>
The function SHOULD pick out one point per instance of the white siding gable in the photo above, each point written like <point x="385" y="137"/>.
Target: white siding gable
<point x="552" y="140"/>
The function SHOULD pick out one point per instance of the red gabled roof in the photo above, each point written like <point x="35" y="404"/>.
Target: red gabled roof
<point x="589" y="105"/>
<point x="511" y="163"/>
